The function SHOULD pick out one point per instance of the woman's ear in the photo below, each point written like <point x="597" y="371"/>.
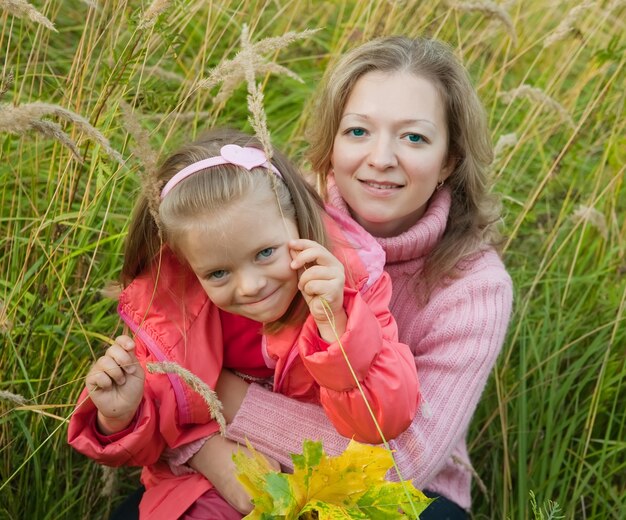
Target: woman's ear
<point x="447" y="168"/>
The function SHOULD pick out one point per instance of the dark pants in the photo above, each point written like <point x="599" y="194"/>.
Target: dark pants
<point x="440" y="509"/>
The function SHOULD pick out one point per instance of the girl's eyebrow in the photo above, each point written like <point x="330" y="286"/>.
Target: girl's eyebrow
<point x="401" y="122"/>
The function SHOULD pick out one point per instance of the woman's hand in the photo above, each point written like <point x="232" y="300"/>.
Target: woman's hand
<point x="115" y="383"/>
<point x="321" y="283"/>
<point x="215" y="461"/>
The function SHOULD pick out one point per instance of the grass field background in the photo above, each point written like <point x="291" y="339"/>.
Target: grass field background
<point x="551" y="75"/>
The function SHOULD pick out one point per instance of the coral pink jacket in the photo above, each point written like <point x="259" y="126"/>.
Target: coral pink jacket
<point x="173" y="320"/>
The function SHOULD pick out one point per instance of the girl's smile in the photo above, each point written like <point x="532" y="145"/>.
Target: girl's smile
<point x="242" y="259"/>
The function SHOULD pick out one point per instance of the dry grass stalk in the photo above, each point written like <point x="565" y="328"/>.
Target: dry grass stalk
<point x="505" y="141"/>
<point x="257" y="118"/>
<point x="181" y="117"/>
<point x="111" y="290"/>
<point x="5" y="322"/>
<point x="13" y="398"/>
<point x="567" y="24"/>
<point x="150" y="15"/>
<point x="6" y="81"/>
<point x="108" y="479"/>
<point x="231" y="73"/>
<point x="22" y="9"/>
<point x="91" y="3"/>
<point x="23" y="118"/>
<point x="160" y="72"/>
<point x="538" y="95"/>
<point x="592" y="217"/>
<point x="490" y="10"/>
<point x="149" y="159"/>
<point x="196" y="384"/>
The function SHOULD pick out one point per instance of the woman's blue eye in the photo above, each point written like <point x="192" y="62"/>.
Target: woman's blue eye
<point x="217" y="275"/>
<point x="415" y="138"/>
<point x="266" y="253"/>
<point x="357" y="132"/>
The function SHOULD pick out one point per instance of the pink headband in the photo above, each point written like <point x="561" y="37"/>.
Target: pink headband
<point x="247" y="158"/>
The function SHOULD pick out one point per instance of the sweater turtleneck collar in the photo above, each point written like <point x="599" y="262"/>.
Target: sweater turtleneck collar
<point x="416" y="241"/>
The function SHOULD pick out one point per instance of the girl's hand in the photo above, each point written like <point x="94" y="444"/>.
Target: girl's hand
<point x="215" y="462"/>
<point x="321" y="283"/>
<point x="115" y="384"/>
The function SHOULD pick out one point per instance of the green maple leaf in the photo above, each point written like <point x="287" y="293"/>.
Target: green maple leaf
<point x="349" y="486"/>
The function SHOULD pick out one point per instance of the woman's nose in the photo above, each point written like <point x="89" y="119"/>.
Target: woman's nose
<point x="382" y="154"/>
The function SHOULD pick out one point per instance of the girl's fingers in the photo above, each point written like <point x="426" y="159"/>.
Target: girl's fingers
<point x="125" y="342"/>
<point x="313" y="254"/>
<point x="126" y="360"/>
<point x="321" y="273"/>
<point x="110" y="367"/>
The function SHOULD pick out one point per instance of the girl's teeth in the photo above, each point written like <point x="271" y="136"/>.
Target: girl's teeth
<point x="381" y="186"/>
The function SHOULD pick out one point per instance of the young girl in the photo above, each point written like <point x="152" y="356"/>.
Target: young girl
<point x="246" y="282"/>
<point x="401" y="148"/>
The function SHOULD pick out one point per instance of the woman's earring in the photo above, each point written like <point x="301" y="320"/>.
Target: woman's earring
<point x="439" y="185"/>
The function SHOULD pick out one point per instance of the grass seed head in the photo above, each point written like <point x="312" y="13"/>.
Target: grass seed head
<point x="489" y="10"/>
<point x="593" y="217"/>
<point x="13" y="398"/>
<point x="567" y="25"/>
<point x="539" y="96"/>
<point x="196" y="384"/>
<point x="22" y="9"/>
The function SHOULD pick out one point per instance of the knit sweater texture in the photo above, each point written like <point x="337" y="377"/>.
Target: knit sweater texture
<point x="455" y="338"/>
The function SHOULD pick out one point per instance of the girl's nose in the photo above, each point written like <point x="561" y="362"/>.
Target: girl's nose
<point x="250" y="283"/>
<point x="382" y="155"/>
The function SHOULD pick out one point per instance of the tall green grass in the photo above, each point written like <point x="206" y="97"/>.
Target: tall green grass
<point x="552" y="419"/>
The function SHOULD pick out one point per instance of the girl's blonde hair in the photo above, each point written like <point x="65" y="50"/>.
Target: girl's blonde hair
<point x="473" y="212"/>
<point x="206" y="194"/>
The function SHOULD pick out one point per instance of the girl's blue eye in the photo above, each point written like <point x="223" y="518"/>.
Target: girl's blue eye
<point x="217" y="275"/>
<point x="266" y="253"/>
<point x="415" y="138"/>
<point x="357" y="132"/>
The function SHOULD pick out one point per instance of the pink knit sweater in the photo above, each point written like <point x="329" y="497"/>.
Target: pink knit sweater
<point x="455" y="338"/>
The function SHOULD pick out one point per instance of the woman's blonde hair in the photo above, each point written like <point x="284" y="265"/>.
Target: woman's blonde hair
<point x="206" y="194"/>
<point x="474" y="211"/>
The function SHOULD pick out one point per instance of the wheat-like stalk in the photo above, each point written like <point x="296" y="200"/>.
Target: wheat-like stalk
<point x="505" y="141"/>
<point x="150" y="15"/>
<point x="567" y="24"/>
<point x="5" y="322"/>
<point x="231" y="73"/>
<point x="6" y="81"/>
<point x="149" y="159"/>
<point x="196" y="384"/>
<point x="538" y="95"/>
<point x="593" y="217"/>
<point x="490" y="10"/>
<point x="111" y="290"/>
<point x="23" y="118"/>
<point x="13" y="398"/>
<point x="108" y="480"/>
<point x="22" y="9"/>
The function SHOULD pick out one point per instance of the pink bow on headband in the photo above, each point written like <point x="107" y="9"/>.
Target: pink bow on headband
<point x="246" y="157"/>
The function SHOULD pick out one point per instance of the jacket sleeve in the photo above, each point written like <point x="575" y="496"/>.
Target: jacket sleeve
<point x="384" y="368"/>
<point x="138" y="445"/>
<point x="154" y="428"/>
<point x="455" y="354"/>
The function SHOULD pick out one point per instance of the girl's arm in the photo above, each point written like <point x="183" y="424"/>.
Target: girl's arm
<point x="455" y="351"/>
<point x="375" y="394"/>
<point x="384" y="401"/>
<point x="117" y="421"/>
